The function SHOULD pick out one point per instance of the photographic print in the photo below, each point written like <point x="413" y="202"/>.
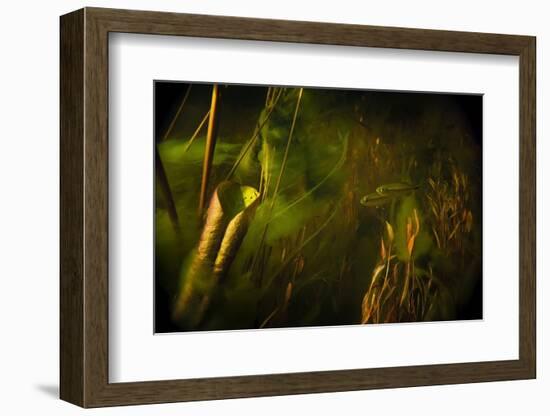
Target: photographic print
<point x="289" y="206"/>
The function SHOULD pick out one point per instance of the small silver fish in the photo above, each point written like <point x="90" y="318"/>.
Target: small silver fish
<point x="387" y="193"/>
<point x="396" y="189"/>
<point x="374" y="200"/>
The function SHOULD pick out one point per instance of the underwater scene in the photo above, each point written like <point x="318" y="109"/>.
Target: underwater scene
<point x="280" y="207"/>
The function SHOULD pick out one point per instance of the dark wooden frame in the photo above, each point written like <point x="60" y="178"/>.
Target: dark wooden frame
<point x="84" y="208"/>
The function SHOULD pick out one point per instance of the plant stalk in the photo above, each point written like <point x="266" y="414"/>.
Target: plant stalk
<point x="176" y="116"/>
<point x="211" y="137"/>
<point x="167" y="193"/>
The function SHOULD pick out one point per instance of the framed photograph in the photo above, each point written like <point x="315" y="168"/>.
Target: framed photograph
<point x="261" y="207"/>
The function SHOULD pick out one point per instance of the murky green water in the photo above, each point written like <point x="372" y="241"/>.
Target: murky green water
<point x="322" y="207"/>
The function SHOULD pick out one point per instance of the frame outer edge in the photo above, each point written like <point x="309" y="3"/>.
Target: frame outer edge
<point x="71" y="297"/>
<point x="84" y="194"/>
<point x="528" y="310"/>
<point x="294" y="31"/>
<point x="96" y="218"/>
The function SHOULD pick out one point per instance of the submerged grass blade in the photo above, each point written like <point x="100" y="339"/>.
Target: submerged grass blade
<point x="310" y="191"/>
<point x="252" y="140"/>
<point x="287" y="149"/>
<point x="279" y="178"/>
<point x="178" y="112"/>
<point x="296" y="251"/>
<point x="197" y="131"/>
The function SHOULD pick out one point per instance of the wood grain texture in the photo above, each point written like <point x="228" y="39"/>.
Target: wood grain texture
<point x="96" y="227"/>
<point x="527" y="208"/>
<point x="71" y="208"/>
<point x="225" y="27"/>
<point x="84" y="207"/>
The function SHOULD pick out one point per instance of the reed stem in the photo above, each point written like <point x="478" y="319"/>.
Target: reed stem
<point x="176" y="116"/>
<point x="287" y="149"/>
<point x="252" y="140"/>
<point x="211" y="137"/>
<point x="279" y="178"/>
<point x="167" y="193"/>
<point x="197" y="131"/>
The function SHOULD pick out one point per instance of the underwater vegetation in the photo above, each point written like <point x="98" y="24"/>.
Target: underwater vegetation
<point x="292" y="207"/>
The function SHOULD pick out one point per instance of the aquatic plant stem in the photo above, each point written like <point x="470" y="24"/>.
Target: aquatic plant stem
<point x="304" y="243"/>
<point x="178" y="112"/>
<point x="392" y="211"/>
<point x="197" y="131"/>
<point x="279" y="178"/>
<point x="337" y="166"/>
<point x="289" y="141"/>
<point x="252" y="140"/>
<point x="167" y="193"/>
<point x="210" y="146"/>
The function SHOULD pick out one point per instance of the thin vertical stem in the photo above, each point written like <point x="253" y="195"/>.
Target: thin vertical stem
<point x="167" y="193"/>
<point x="211" y="136"/>
<point x="285" y="157"/>
<point x="176" y="116"/>
<point x="252" y="140"/>
<point x="196" y="133"/>
<point x="279" y="178"/>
